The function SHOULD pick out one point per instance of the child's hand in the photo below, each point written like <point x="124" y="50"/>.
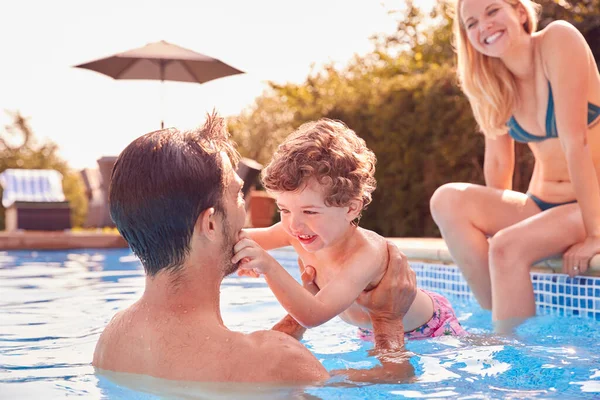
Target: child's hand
<point x="247" y="272"/>
<point x="253" y="259"/>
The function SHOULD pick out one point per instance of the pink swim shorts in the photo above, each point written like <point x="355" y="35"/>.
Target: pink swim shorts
<point x="442" y="323"/>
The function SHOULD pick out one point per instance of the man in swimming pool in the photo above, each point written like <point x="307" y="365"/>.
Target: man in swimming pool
<point x="176" y="199"/>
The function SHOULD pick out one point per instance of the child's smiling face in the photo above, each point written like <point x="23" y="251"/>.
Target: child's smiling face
<point x="306" y="217"/>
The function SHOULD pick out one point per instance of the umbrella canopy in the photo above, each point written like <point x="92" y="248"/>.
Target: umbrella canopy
<point x="162" y="61"/>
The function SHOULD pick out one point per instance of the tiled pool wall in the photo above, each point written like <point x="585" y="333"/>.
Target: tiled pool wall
<point x="554" y="293"/>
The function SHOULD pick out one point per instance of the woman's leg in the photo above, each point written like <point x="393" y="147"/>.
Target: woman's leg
<point x="467" y="215"/>
<point x="514" y="249"/>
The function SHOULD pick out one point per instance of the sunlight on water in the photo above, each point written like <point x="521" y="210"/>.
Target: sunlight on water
<point x="412" y="394"/>
<point x="54" y="305"/>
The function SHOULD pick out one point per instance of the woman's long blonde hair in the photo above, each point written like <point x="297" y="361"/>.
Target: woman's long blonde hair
<point x="488" y="84"/>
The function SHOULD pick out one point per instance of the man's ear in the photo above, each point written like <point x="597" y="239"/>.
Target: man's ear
<point x="354" y="209"/>
<point x="206" y="224"/>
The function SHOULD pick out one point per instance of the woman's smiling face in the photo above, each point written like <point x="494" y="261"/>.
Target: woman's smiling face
<point x="492" y="25"/>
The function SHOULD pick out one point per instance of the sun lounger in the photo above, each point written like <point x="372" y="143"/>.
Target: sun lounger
<point x="34" y="200"/>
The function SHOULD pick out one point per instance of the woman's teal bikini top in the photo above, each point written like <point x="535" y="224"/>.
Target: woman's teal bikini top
<point x="520" y="135"/>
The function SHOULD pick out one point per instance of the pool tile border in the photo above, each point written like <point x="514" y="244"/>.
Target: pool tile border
<point x="554" y="293"/>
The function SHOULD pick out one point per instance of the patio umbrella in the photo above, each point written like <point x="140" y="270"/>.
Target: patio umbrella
<point x="162" y="61"/>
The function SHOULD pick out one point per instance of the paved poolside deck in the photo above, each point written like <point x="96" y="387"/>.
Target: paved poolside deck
<point x="424" y="249"/>
<point x="60" y="240"/>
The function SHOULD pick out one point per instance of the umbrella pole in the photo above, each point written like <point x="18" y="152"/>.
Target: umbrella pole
<point x="162" y="93"/>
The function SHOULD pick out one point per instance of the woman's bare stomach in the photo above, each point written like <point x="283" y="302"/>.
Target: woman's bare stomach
<point x="551" y="180"/>
<point x="552" y="191"/>
<point x="419" y="313"/>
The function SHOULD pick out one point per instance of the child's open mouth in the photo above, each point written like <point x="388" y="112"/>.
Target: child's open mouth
<point x="306" y="239"/>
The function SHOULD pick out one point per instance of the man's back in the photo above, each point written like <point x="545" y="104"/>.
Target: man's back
<point x="181" y="345"/>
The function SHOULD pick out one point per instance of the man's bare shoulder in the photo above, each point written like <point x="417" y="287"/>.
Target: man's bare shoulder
<point x="103" y="357"/>
<point x="286" y="359"/>
<point x="263" y="356"/>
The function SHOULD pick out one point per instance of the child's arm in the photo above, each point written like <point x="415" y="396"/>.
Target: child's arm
<point x="269" y="238"/>
<point x="309" y="311"/>
<point x="288" y="324"/>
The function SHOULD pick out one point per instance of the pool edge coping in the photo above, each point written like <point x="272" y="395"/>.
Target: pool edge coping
<point x="435" y="250"/>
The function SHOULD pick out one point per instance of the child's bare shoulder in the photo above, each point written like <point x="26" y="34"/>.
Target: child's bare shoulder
<point x="374" y="239"/>
<point x="373" y="244"/>
<point x="372" y="252"/>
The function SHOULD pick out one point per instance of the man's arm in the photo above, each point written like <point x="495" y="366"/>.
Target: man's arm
<point x="395" y="368"/>
<point x="390" y="301"/>
<point x="290" y="326"/>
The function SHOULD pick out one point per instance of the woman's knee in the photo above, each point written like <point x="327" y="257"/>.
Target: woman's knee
<point x="506" y="250"/>
<point x="447" y="201"/>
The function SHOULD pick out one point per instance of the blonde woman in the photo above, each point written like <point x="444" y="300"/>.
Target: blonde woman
<point x="542" y="88"/>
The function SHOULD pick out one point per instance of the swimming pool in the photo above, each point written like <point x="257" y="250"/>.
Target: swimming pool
<point x="54" y="305"/>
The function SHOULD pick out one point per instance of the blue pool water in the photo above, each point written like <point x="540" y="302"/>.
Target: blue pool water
<point x="54" y="305"/>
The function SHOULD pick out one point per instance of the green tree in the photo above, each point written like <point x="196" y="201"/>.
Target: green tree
<point x="426" y="38"/>
<point x="403" y="99"/>
<point x="259" y="129"/>
<point x="583" y="14"/>
<point x="19" y="149"/>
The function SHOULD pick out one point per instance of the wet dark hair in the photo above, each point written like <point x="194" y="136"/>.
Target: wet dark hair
<point x="161" y="183"/>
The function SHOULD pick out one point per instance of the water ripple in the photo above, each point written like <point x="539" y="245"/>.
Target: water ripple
<point x="55" y="305"/>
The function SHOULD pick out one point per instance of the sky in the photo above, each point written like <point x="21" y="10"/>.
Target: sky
<point x="90" y="115"/>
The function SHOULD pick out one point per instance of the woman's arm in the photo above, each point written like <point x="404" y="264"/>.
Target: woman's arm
<point x="499" y="162"/>
<point x="569" y="78"/>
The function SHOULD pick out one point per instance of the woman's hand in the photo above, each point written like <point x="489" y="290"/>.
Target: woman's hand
<point x="576" y="259"/>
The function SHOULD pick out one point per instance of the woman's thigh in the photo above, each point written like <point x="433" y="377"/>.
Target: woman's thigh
<point x="543" y="235"/>
<point x="488" y="209"/>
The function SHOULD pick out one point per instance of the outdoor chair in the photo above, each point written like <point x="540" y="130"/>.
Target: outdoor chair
<point x="95" y="195"/>
<point x="34" y="200"/>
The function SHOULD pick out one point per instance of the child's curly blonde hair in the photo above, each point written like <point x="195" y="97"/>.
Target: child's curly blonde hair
<point x="330" y="152"/>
